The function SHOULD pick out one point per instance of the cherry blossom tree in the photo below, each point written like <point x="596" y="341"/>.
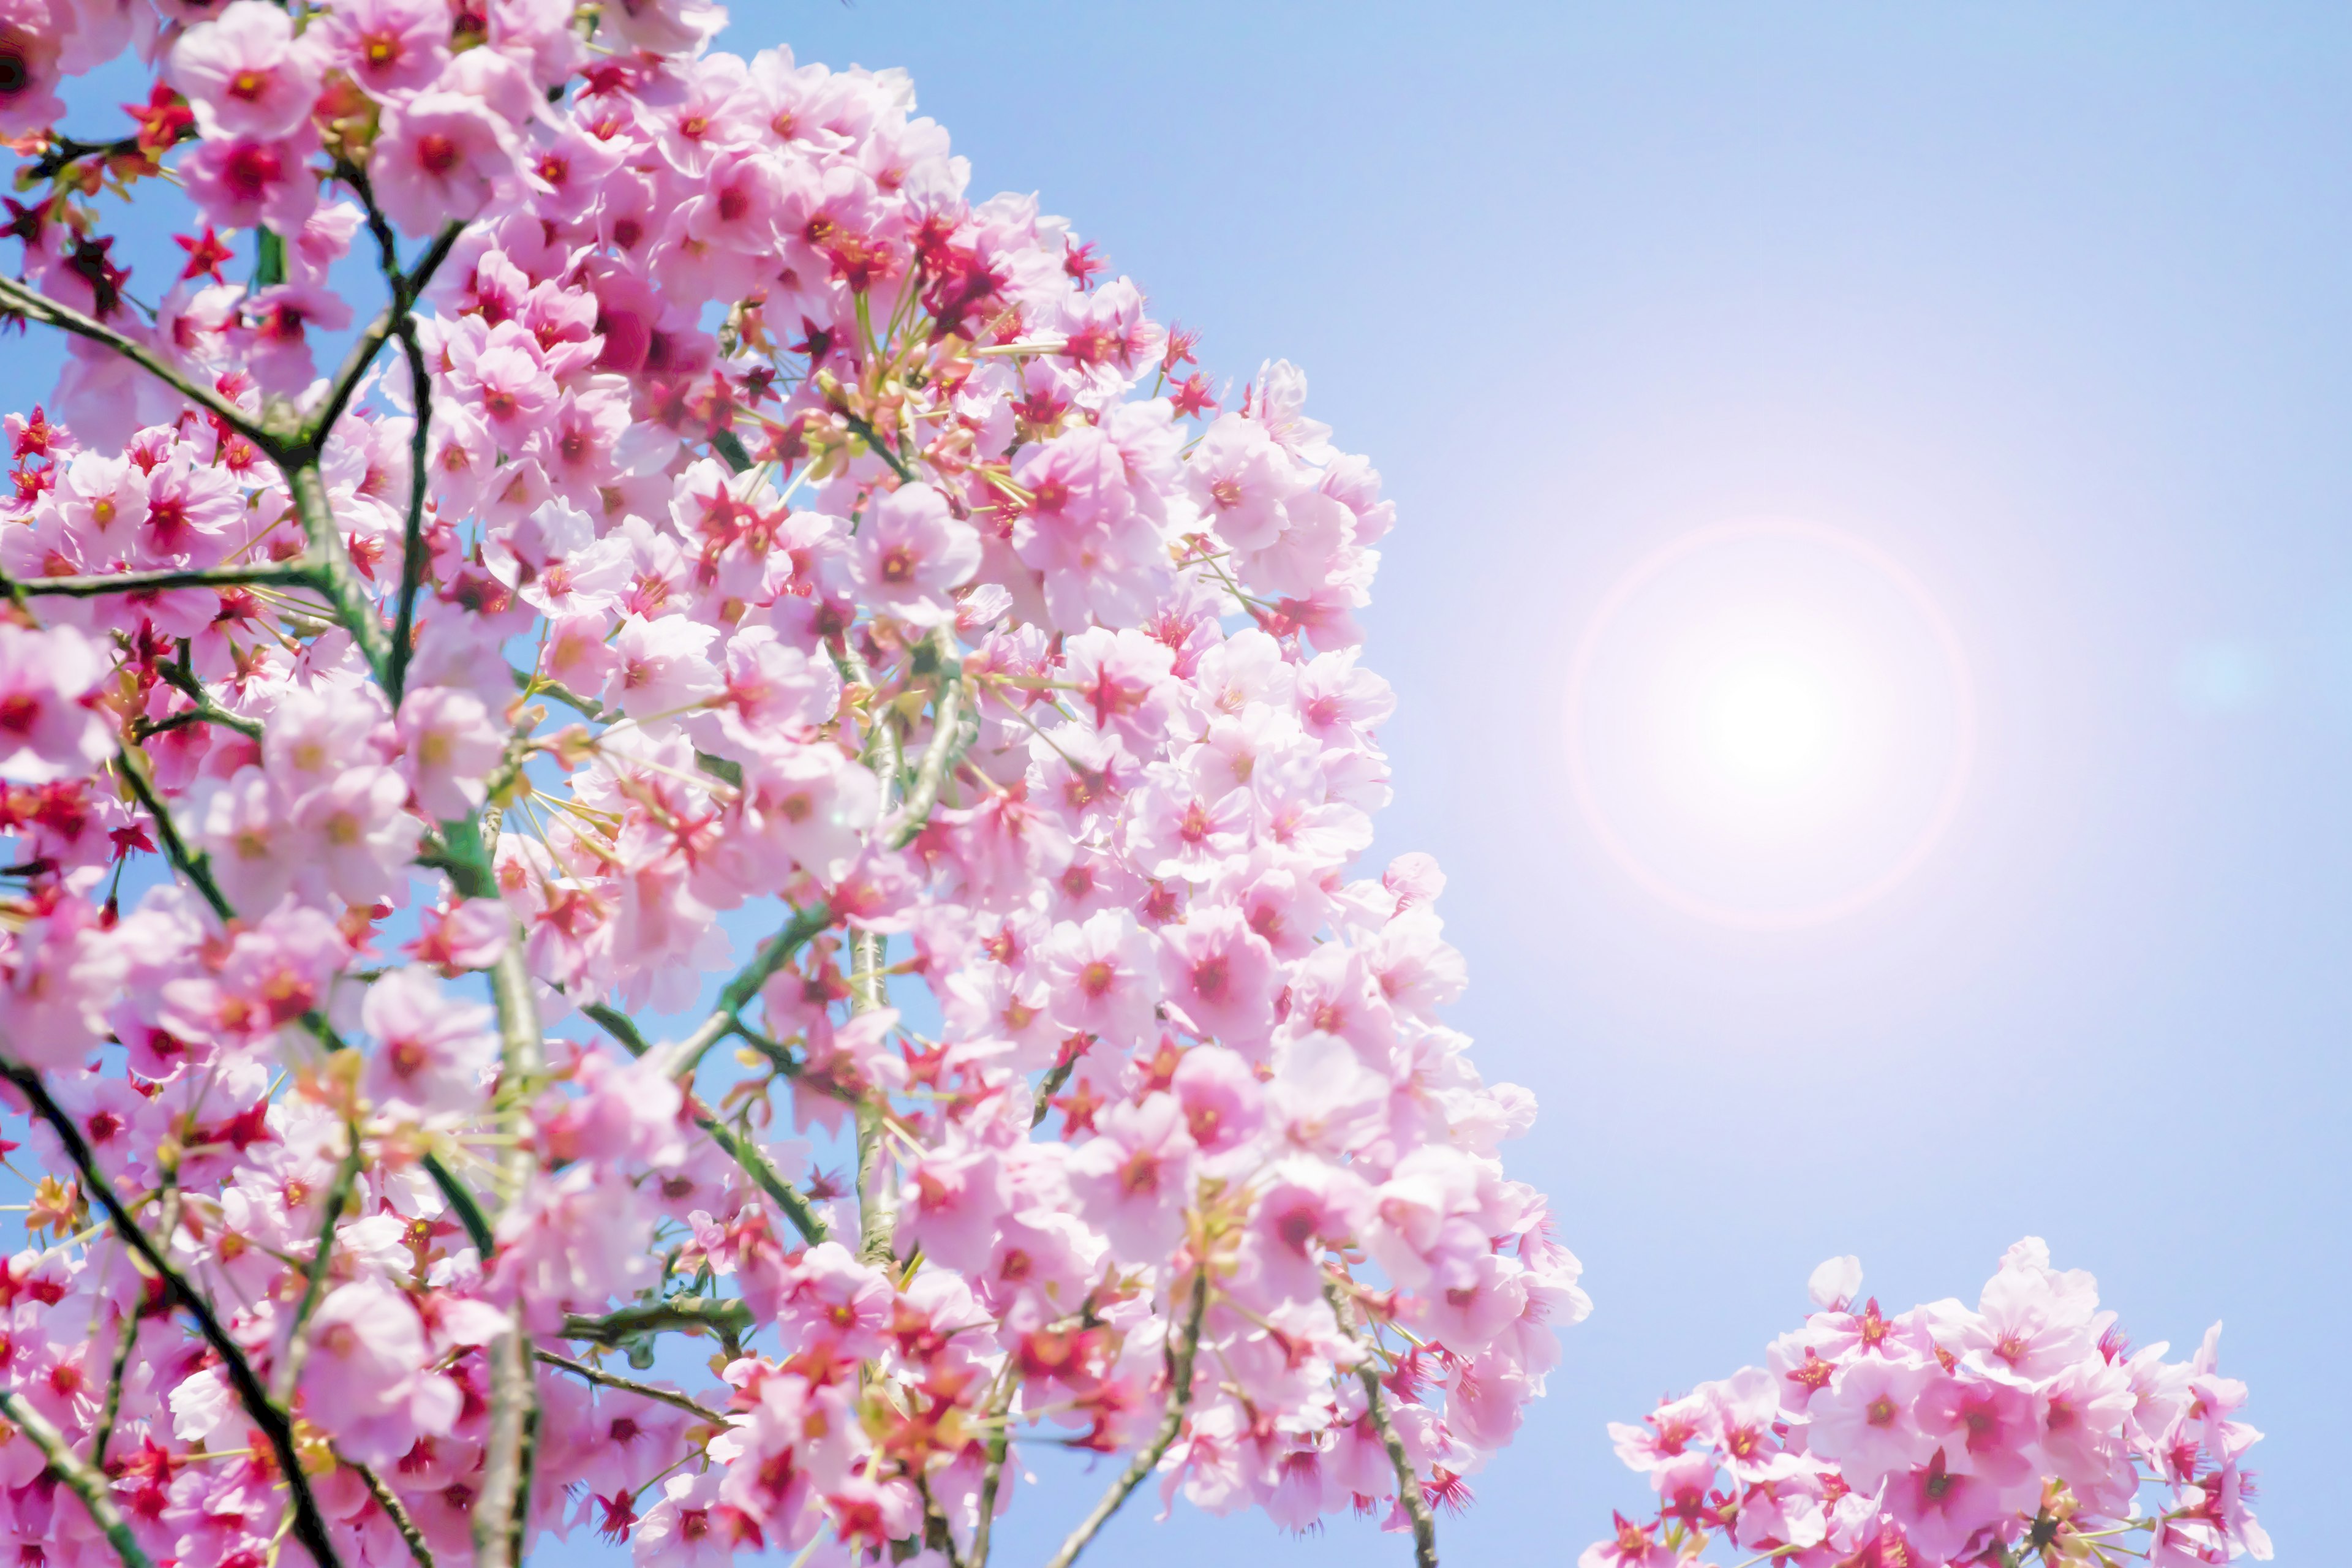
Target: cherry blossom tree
<point x="629" y="494"/>
<point x="2024" y="1428"/>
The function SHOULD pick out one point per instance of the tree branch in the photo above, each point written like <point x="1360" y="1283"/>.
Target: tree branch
<point x="310" y="1524"/>
<point x="502" y="1507"/>
<point x="946" y="744"/>
<point x="1409" y="1497"/>
<point x="287" y="1373"/>
<point x="992" y="1473"/>
<point x="338" y="579"/>
<point x="737" y="993"/>
<point x="270" y="574"/>
<point x="85" y="1482"/>
<point x="460" y="1198"/>
<point x="631" y="1385"/>
<point x="1180" y="1351"/>
<point x="741" y="1150"/>
<point x="167" y="834"/>
<point x="730" y="1320"/>
<point x="412" y="538"/>
<point x="404" y="288"/>
<point x="389" y="1500"/>
<point x="38" y="307"/>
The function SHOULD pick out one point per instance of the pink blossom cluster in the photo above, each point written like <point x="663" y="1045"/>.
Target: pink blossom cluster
<point x="2024" y="1426"/>
<point x="727" y="526"/>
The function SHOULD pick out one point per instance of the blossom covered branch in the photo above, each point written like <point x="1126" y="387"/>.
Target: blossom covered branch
<point x="2022" y="1428"/>
<point x="917" y="615"/>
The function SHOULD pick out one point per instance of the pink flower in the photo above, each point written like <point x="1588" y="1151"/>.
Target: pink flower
<point x="952" y="1200"/>
<point x="1835" y="1284"/>
<point x="504" y="377"/>
<point x="50" y="724"/>
<point x="1220" y="1096"/>
<point x="810" y="805"/>
<point x="909" y="551"/>
<point x="439" y="158"/>
<point x="449" y="745"/>
<point x="59" y="975"/>
<point x="1633" y="1546"/>
<point x="1122" y="677"/>
<point x="1941" y="1509"/>
<point x="1221" y="973"/>
<point x="388" y="47"/>
<point x="1866" y="1420"/>
<point x="1134" y="1179"/>
<point x="691" y="1527"/>
<point x="255" y="182"/>
<point x="1240" y="480"/>
<point x="277" y="340"/>
<point x="664" y="667"/>
<point x="30" y="44"/>
<point x="435" y="1054"/>
<point x="366" y="1380"/>
<point x="1105" y="980"/>
<point x="245" y="73"/>
<point x="1306" y="1208"/>
<point x="1986" y="1421"/>
<point x="359" y="835"/>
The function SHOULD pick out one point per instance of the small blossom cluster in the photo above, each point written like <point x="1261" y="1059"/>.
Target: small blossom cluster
<point x="2023" y="1426"/>
<point x="725" y="517"/>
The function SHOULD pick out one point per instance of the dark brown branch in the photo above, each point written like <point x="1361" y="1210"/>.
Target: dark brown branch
<point x="310" y="1524"/>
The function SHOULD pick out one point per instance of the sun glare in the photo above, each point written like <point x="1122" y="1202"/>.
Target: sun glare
<point x="1773" y="726"/>
<point x="1769" y="724"/>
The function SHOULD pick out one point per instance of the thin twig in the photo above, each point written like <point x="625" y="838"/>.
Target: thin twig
<point x="631" y="1385"/>
<point x="167" y="834"/>
<point x="1181" y="1349"/>
<point x="287" y="1373"/>
<point x="737" y="993"/>
<point x="992" y="1473"/>
<point x="741" y="1150"/>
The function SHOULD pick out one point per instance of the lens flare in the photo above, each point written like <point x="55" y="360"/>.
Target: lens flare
<point x="1771" y="723"/>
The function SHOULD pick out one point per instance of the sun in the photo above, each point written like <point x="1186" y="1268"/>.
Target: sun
<point x="1771" y="723"/>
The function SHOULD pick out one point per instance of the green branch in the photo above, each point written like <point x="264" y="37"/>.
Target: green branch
<point x="631" y="1385"/>
<point x="84" y="1482"/>
<point x="38" y="307"/>
<point x="1182" y="1348"/>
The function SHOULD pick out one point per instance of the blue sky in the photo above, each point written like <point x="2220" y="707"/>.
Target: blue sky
<point x="2047" y="302"/>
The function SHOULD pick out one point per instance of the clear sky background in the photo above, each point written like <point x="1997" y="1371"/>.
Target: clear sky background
<point x="2049" y="302"/>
